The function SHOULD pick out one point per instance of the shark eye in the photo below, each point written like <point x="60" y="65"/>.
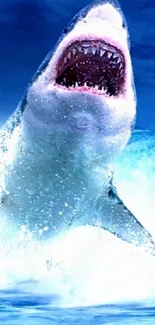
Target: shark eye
<point x="70" y="25"/>
<point x="123" y="24"/>
<point x="65" y="31"/>
<point x="92" y="64"/>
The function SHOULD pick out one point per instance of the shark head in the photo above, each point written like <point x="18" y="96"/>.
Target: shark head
<point x="84" y="90"/>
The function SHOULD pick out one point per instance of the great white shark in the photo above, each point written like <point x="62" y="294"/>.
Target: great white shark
<point x="76" y="115"/>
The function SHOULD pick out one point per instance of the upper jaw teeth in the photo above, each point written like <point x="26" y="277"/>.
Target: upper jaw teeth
<point x="74" y="51"/>
<point x="109" y="54"/>
<point x="93" y="49"/>
<point x="86" y="50"/>
<point x="104" y="51"/>
<point x="69" y="55"/>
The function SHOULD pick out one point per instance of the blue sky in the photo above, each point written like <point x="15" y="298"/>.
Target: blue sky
<point x="30" y="28"/>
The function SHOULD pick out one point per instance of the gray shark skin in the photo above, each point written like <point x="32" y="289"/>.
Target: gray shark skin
<point x="77" y="114"/>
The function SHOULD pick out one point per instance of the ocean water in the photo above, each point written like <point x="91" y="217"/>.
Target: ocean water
<point x="86" y="276"/>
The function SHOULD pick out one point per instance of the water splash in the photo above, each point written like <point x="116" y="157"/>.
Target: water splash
<point x="87" y="265"/>
<point x="135" y="177"/>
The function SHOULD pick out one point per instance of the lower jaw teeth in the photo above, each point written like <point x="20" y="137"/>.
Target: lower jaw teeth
<point x="110" y="91"/>
<point x="96" y="87"/>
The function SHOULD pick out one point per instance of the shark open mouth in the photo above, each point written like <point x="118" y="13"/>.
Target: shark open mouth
<point x="95" y="65"/>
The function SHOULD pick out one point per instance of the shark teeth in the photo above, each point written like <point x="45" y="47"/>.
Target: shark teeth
<point x="86" y="48"/>
<point x="69" y="55"/>
<point x="96" y="87"/>
<point x="74" y="50"/>
<point x="109" y="54"/>
<point x="93" y="49"/>
<point x="94" y="65"/>
<point x="102" y="52"/>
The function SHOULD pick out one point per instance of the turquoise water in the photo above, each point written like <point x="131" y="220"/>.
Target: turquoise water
<point x="87" y="276"/>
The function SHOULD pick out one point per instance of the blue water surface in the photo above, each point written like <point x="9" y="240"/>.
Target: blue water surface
<point x="89" y="284"/>
<point x="36" y="310"/>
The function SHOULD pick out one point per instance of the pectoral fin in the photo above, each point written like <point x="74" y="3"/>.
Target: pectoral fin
<point x="117" y="219"/>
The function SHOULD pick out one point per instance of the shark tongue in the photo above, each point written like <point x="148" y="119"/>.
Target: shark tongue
<point x="93" y="64"/>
